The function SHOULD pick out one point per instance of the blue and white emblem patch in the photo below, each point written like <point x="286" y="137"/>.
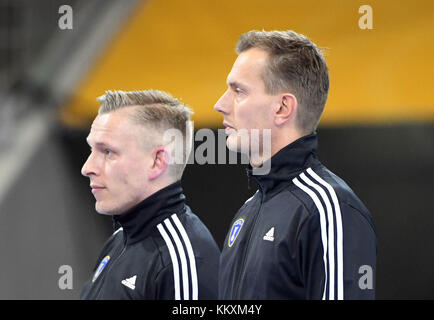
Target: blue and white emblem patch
<point x="235" y="231"/>
<point x="100" y="267"/>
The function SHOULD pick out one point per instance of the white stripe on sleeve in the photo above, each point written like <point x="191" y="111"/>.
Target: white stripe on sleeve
<point x="174" y="260"/>
<point x="322" y="225"/>
<point x="191" y="257"/>
<point x="339" y="233"/>
<point x="330" y="240"/>
<point x="181" y="253"/>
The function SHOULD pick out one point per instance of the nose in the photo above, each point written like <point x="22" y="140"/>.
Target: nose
<point x="223" y="104"/>
<point x="88" y="168"/>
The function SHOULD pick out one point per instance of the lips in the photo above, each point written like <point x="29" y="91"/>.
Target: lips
<point x="96" y="188"/>
<point x="228" y="128"/>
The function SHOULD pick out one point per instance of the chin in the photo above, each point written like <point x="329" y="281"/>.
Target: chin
<point x="232" y="143"/>
<point x="238" y="143"/>
<point x="101" y="209"/>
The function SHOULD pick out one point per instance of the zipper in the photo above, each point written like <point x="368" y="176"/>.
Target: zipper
<point x="243" y="262"/>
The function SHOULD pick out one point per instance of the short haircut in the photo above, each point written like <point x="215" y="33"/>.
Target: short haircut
<point x="295" y="64"/>
<point x="155" y="110"/>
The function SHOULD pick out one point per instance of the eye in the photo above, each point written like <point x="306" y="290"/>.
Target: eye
<point x="107" y="152"/>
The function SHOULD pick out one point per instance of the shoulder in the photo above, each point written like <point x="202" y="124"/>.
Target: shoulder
<point x="187" y="253"/>
<point x="116" y="238"/>
<point x="327" y="196"/>
<point x="194" y="231"/>
<point x="182" y="236"/>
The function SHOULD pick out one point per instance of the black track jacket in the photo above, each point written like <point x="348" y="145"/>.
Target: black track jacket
<point x="303" y="235"/>
<point x="162" y="251"/>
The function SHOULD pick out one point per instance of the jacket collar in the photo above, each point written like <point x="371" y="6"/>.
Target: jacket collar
<point x="138" y="222"/>
<point x="286" y="164"/>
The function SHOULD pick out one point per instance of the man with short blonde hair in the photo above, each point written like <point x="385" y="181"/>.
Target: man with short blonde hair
<point x="156" y="110"/>
<point x="162" y="250"/>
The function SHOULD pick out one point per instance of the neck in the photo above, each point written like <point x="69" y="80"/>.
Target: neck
<point x="160" y="182"/>
<point x="140" y="220"/>
<point x="278" y="141"/>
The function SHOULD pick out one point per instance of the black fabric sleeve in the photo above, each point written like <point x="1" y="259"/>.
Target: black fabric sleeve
<point x="311" y="259"/>
<point x="330" y="273"/>
<point x="360" y="254"/>
<point x="164" y="287"/>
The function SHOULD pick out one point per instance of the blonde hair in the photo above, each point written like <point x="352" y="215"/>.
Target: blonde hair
<point x="156" y="110"/>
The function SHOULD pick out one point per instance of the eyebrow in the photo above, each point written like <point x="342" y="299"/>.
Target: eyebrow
<point x="99" y="144"/>
<point x="235" y="84"/>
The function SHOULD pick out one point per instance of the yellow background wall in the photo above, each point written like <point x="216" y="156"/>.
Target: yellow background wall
<point x="383" y="75"/>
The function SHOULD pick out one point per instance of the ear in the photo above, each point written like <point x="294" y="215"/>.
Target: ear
<point x="160" y="161"/>
<point x="286" y="109"/>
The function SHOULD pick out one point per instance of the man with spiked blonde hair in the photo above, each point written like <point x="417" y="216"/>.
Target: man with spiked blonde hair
<point x="162" y="250"/>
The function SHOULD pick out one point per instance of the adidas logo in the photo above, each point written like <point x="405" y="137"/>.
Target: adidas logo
<point x="130" y="282"/>
<point x="269" y="236"/>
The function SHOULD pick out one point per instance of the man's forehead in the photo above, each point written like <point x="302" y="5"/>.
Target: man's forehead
<point x="118" y="130"/>
<point x="251" y="57"/>
<point x="100" y="122"/>
<point x="247" y="62"/>
<point x="110" y="125"/>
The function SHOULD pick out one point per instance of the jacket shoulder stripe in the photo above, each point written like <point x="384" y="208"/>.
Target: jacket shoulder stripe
<point x="174" y="260"/>
<point x="251" y="197"/>
<point x="322" y="225"/>
<point x="117" y="231"/>
<point x="182" y="256"/>
<point x="191" y="257"/>
<point x="339" y="232"/>
<point x="331" y="240"/>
